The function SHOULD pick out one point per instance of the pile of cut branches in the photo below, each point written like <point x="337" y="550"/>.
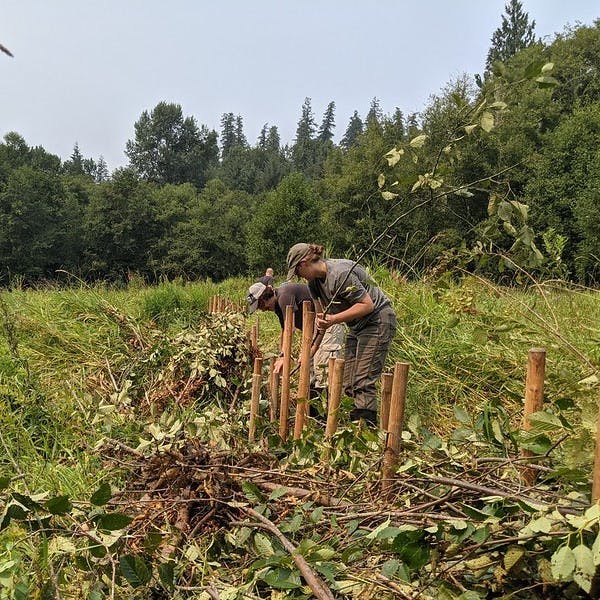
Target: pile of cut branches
<point x="457" y="521"/>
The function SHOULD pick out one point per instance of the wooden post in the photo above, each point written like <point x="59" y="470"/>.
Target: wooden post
<point x="273" y="391"/>
<point x="330" y="367"/>
<point x="534" y="398"/>
<point x="394" y="425"/>
<point x="386" y="397"/>
<point x="335" y="394"/>
<point x="211" y="305"/>
<point x="284" y="408"/>
<point x="596" y="480"/>
<point x="308" y="323"/>
<point x="255" y="398"/>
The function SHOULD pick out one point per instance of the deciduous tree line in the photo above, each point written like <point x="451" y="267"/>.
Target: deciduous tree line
<point x="196" y="203"/>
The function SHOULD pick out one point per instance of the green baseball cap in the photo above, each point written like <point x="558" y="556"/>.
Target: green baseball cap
<point x="295" y="255"/>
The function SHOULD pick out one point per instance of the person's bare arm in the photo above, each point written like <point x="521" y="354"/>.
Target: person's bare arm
<point x="359" y="309"/>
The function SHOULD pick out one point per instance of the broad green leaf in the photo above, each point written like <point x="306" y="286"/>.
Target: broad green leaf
<point x="458" y="524"/>
<point x="263" y="545"/>
<point x="166" y="573"/>
<point x="327" y="569"/>
<point x="417" y="184"/>
<point x="380" y="180"/>
<point x="547" y="67"/>
<point x="505" y="210"/>
<point x="135" y="570"/>
<point x="4" y="482"/>
<point x="113" y="521"/>
<point x="278" y="493"/>
<point x="323" y="554"/>
<point x="534" y="68"/>
<point x="544" y="421"/>
<point x="419" y="141"/>
<point x="487" y="121"/>
<point x="538" y="443"/>
<point x="522" y="209"/>
<point x="252" y="492"/>
<point x="509" y="228"/>
<point x="27" y="501"/>
<point x="102" y="495"/>
<point x="388" y="195"/>
<point x="593" y="513"/>
<point x="316" y="514"/>
<point x="498" y="433"/>
<point x="61" y="545"/>
<point x="470" y="128"/>
<point x="563" y="564"/>
<point x="351" y="526"/>
<point x="13" y="511"/>
<point x="393" y="156"/>
<point x="434" y="184"/>
<point x="546" y="82"/>
<point x="373" y="535"/>
<point x="584" y="567"/>
<point x="282" y="579"/>
<point x="499" y="105"/>
<point x="390" y="568"/>
<point x="60" y="505"/>
<point x="579" y="522"/>
<point x="540" y="525"/>
<point x="461" y="415"/>
<point x="493" y="204"/>
<point x="293" y="525"/>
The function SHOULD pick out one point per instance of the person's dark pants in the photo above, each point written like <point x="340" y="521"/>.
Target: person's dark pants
<point x="365" y="356"/>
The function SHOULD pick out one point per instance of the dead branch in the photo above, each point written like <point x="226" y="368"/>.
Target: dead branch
<point x="316" y="584"/>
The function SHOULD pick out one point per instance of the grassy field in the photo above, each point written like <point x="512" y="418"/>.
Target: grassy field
<point x="86" y="370"/>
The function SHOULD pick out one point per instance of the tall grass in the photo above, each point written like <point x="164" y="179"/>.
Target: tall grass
<point x="63" y="352"/>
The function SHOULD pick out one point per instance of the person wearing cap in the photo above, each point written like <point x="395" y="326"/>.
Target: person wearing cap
<point x="329" y="343"/>
<point x="349" y="296"/>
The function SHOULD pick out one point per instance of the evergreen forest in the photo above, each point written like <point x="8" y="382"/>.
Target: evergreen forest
<point x="499" y="172"/>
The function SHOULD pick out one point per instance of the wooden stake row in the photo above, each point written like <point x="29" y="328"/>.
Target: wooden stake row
<point x="393" y="399"/>
<point x="220" y="304"/>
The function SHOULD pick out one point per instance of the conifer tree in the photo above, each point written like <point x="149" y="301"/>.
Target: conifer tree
<point x="515" y="33"/>
<point x="74" y="166"/>
<point x="353" y="131"/>
<point x="262" y="138"/>
<point x="102" y="173"/>
<point x="303" y="152"/>
<point x="273" y="140"/>
<point x="228" y="133"/>
<point x="328" y="123"/>
<point x="240" y="138"/>
<point x="375" y="115"/>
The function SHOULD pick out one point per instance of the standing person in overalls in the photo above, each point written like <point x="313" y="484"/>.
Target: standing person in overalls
<point x="266" y="297"/>
<point x="348" y="296"/>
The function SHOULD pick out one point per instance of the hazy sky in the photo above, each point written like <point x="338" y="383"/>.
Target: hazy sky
<point x="84" y="70"/>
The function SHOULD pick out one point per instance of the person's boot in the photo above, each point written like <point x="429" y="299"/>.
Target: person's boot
<point x="368" y="416"/>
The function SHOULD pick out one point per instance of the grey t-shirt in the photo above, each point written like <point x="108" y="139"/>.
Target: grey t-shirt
<point x="351" y="288"/>
<point x="291" y="294"/>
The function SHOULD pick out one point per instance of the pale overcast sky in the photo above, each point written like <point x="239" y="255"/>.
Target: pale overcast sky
<point x="84" y="70"/>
